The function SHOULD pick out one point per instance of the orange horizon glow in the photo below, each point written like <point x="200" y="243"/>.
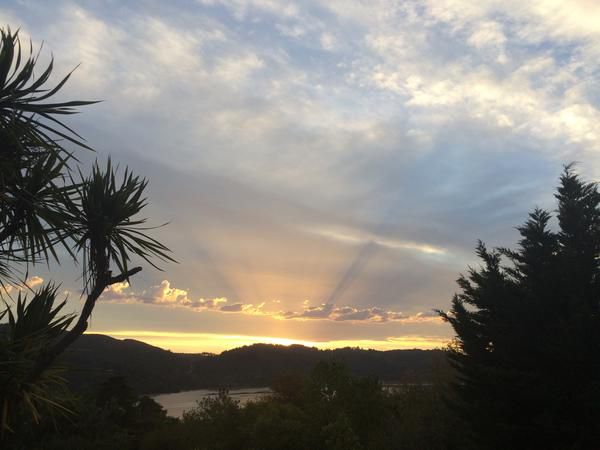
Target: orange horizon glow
<point x="217" y="343"/>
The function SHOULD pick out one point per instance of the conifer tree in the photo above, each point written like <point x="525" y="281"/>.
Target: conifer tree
<point x="527" y="323"/>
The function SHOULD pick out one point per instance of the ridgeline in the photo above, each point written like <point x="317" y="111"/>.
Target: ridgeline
<point x="148" y="369"/>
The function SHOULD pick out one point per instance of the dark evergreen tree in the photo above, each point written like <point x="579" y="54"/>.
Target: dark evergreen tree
<point x="527" y="323"/>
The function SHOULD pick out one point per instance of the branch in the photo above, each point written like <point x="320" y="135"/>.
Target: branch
<point x="124" y="276"/>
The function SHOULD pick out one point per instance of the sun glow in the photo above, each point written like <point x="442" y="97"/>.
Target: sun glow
<point x="216" y="343"/>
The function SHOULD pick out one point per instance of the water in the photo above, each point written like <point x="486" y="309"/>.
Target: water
<point x="177" y="403"/>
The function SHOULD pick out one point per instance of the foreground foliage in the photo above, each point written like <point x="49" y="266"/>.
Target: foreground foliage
<point x="110" y="417"/>
<point x="328" y="410"/>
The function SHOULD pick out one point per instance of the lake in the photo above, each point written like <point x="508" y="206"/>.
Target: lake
<point x="177" y="403"/>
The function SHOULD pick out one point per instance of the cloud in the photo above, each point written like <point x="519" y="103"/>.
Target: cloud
<point x="160" y="294"/>
<point x="486" y="34"/>
<point x="34" y="281"/>
<point x="358" y="237"/>
<point x="119" y="293"/>
<point x="238" y="68"/>
<point x="166" y="295"/>
<point x="328" y="41"/>
<point x="26" y="286"/>
<point x="242" y="8"/>
<point x="351" y="314"/>
<point x="294" y="31"/>
<point x="547" y="104"/>
<point x="205" y="304"/>
<point x="236" y="307"/>
<point x="281" y="138"/>
<point x="322" y="311"/>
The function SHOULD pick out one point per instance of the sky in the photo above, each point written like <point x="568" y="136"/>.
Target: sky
<point x="325" y="167"/>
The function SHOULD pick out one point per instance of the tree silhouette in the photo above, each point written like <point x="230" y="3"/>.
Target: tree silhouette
<point x="47" y="208"/>
<point x="527" y="347"/>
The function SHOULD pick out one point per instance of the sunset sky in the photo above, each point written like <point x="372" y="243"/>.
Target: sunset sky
<point x="326" y="167"/>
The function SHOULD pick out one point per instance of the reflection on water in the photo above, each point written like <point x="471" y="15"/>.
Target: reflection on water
<point x="177" y="403"/>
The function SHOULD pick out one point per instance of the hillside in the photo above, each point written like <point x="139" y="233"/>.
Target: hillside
<point x="95" y="357"/>
<point x="150" y="369"/>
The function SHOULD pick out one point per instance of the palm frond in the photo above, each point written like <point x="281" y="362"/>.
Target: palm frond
<point x="33" y="161"/>
<point x="33" y="324"/>
<point x="107" y="228"/>
<point x="21" y="92"/>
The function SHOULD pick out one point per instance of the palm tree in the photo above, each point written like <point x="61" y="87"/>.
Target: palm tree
<point x="45" y="204"/>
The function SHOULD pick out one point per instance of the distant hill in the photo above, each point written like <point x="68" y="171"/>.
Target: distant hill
<point x="94" y="357"/>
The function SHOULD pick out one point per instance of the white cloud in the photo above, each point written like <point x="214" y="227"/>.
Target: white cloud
<point x="82" y="38"/>
<point x="458" y="59"/>
<point x="242" y="8"/>
<point x="34" y="281"/>
<point x="356" y="237"/>
<point x="166" y="295"/>
<point x="238" y="68"/>
<point x="293" y="31"/>
<point x="420" y="115"/>
<point x="328" y="41"/>
<point x="328" y="311"/>
<point x="487" y="33"/>
<point x="30" y="283"/>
